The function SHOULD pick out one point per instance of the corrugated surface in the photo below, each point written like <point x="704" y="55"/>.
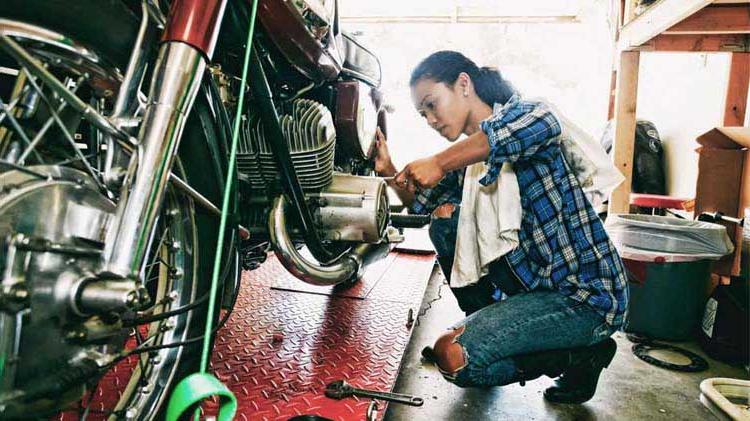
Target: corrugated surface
<point x="281" y="347"/>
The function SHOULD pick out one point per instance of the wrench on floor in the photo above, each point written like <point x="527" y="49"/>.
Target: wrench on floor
<point x="341" y="389"/>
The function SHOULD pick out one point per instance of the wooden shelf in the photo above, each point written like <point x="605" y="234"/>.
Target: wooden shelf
<point x="702" y="18"/>
<point x="682" y="26"/>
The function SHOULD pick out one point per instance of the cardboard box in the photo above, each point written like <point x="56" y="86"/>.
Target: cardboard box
<point x="724" y="183"/>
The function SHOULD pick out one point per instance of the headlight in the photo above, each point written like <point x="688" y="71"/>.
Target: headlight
<point x="317" y="14"/>
<point x="367" y="119"/>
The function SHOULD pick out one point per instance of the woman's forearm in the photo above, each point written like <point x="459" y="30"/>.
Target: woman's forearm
<point x="473" y="149"/>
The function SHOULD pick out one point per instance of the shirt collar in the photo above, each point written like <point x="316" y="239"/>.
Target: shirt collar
<point x="500" y="109"/>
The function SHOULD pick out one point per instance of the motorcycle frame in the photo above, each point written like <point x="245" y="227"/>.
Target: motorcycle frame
<point x="187" y="44"/>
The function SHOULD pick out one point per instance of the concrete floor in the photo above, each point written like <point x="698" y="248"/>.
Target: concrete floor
<point x="629" y="389"/>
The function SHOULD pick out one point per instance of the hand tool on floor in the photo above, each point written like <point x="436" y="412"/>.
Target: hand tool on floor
<point x="341" y="389"/>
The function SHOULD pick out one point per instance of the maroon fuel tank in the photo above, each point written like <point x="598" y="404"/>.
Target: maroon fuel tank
<point x="287" y="30"/>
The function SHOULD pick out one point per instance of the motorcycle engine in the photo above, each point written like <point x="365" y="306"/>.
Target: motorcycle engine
<point x="346" y="207"/>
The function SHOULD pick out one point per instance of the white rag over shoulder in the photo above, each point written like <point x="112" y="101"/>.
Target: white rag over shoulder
<point x="487" y="225"/>
<point x="490" y="215"/>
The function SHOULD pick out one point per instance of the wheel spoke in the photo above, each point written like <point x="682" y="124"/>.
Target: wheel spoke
<point x="11" y="105"/>
<point x="76" y="159"/>
<point x="34" y="67"/>
<point x="68" y="137"/>
<point x="48" y="123"/>
<point x="18" y="129"/>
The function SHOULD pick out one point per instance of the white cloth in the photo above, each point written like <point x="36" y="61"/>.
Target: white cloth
<point x="491" y="215"/>
<point x="588" y="160"/>
<point x="487" y="225"/>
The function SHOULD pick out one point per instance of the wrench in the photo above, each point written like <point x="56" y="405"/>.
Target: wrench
<point x="341" y="389"/>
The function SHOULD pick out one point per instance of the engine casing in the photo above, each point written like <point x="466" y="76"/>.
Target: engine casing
<point x="353" y="208"/>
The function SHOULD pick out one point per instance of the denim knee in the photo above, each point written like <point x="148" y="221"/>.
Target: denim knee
<point x="477" y="371"/>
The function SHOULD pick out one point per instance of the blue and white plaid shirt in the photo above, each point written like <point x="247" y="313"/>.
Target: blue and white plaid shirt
<point x="562" y="242"/>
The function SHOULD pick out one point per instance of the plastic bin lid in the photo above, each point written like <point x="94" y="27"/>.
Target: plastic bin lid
<point x="651" y="256"/>
<point x="669" y="236"/>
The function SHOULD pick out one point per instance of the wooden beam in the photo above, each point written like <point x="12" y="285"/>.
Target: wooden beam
<point x="612" y="91"/>
<point x="726" y="19"/>
<point x="737" y="90"/>
<point x="625" y="104"/>
<point x="656" y="19"/>
<point x="461" y="18"/>
<point x="628" y="11"/>
<point x="698" y="43"/>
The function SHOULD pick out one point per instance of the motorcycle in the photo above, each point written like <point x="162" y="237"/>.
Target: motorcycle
<point x="114" y="143"/>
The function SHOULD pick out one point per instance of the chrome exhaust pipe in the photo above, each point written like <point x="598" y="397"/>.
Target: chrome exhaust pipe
<point x="345" y="268"/>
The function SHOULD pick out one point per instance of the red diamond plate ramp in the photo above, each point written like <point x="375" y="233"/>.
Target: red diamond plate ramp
<point x="280" y="347"/>
<point x="278" y="278"/>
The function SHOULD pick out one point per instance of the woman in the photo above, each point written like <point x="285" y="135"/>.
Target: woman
<point x="564" y="283"/>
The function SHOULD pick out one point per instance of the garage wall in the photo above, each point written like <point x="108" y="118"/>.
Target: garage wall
<point x="567" y="63"/>
<point x="683" y="94"/>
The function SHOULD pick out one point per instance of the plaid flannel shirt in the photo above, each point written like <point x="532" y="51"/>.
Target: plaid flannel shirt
<point x="562" y="242"/>
<point x="448" y="190"/>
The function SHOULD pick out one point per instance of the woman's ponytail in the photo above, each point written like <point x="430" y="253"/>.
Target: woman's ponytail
<point x="445" y="66"/>
<point x="491" y="87"/>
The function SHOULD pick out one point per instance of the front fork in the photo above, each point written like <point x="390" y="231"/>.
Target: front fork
<point x="188" y="42"/>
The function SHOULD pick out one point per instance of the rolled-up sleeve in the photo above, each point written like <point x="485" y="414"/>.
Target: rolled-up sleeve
<point x="522" y="130"/>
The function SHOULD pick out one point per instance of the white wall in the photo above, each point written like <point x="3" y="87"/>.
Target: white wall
<point x="567" y="63"/>
<point x="683" y="94"/>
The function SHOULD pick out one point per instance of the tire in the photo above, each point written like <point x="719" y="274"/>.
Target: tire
<point x="109" y="28"/>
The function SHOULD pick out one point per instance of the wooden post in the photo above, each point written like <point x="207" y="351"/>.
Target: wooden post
<point x="612" y="92"/>
<point x="624" y="120"/>
<point x="737" y="90"/>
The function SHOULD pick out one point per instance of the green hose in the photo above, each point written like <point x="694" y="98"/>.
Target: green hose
<point x="192" y="390"/>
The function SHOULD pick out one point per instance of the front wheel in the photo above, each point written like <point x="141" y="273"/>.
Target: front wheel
<point x="52" y="191"/>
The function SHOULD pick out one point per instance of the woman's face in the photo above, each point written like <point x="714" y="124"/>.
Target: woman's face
<point x="444" y="107"/>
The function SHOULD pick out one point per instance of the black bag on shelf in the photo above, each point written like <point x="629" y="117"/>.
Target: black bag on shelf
<point x="648" y="159"/>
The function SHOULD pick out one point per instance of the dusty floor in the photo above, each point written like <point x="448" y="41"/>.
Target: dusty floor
<point x="629" y="390"/>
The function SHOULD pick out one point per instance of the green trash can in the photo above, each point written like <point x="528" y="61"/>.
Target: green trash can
<point x="668" y="262"/>
<point x="667" y="298"/>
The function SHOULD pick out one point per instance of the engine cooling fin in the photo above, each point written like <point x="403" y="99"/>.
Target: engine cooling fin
<point x="311" y="137"/>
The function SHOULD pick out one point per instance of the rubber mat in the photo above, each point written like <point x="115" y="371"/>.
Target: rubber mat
<point x="280" y="348"/>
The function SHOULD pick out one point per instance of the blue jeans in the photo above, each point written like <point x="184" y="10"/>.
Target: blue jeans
<point x="526" y="322"/>
<point x="486" y="290"/>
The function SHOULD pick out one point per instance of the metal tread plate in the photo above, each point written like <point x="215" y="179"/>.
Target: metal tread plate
<point x="281" y="347"/>
<point x="278" y="278"/>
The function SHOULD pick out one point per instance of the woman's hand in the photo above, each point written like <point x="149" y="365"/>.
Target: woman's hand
<point x="383" y="163"/>
<point x="423" y="173"/>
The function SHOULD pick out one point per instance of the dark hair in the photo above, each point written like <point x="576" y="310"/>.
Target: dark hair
<point x="445" y="66"/>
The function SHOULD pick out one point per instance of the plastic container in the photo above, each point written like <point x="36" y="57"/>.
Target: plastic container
<point x="667" y="294"/>
<point x="668" y="261"/>
<point x="727" y="399"/>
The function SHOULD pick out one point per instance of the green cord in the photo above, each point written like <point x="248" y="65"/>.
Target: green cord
<point x="227" y="194"/>
<point x="192" y="390"/>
